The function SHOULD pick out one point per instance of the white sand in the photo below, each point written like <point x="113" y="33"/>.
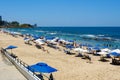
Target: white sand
<point x="69" y="67"/>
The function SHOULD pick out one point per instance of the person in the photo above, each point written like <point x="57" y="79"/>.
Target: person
<point x="13" y="55"/>
<point x="79" y="55"/>
<point x="40" y="76"/>
<point x="51" y="77"/>
<point x="41" y="47"/>
<point x="74" y="44"/>
<point x="89" y="58"/>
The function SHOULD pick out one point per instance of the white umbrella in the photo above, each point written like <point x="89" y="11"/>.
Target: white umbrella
<point x="105" y="50"/>
<point x="85" y="51"/>
<point x="53" y="42"/>
<point x="78" y="49"/>
<point x="116" y="50"/>
<point x="39" y="41"/>
<point x="102" y="53"/>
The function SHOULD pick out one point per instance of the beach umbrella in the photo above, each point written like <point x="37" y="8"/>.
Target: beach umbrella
<point x="26" y="39"/>
<point x="102" y="53"/>
<point x="105" y="50"/>
<point x="70" y="40"/>
<point x="115" y="54"/>
<point x="85" y="51"/>
<point x="11" y="47"/>
<point x="78" y="49"/>
<point x="96" y="48"/>
<point x="42" y="68"/>
<point x="83" y="44"/>
<point x="104" y="47"/>
<point x="40" y="41"/>
<point x="35" y="37"/>
<point x="69" y="46"/>
<point x="49" y="37"/>
<point x="116" y="50"/>
<point x="97" y="45"/>
<point x="90" y="46"/>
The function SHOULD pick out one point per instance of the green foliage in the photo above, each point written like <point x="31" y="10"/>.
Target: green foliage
<point x="14" y="24"/>
<point x="25" y="25"/>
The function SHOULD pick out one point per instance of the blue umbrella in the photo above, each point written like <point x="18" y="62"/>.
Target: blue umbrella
<point x="89" y="45"/>
<point x="96" y="48"/>
<point x="104" y="47"/>
<point x="42" y="68"/>
<point x="83" y="44"/>
<point x="70" y="41"/>
<point x="97" y="45"/>
<point x="49" y="37"/>
<point x="115" y="54"/>
<point x="36" y="37"/>
<point x="69" y="46"/>
<point x="11" y="47"/>
<point x="26" y="38"/>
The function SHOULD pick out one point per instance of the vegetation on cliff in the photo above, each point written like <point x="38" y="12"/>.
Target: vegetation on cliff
<point x="14" y="24"/>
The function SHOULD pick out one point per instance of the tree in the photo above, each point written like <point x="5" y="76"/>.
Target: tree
<point x="25" y="25"/>
<point x="14" y="24"/>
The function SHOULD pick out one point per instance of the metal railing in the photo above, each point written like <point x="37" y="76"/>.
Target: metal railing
<point x="22" y="66"/>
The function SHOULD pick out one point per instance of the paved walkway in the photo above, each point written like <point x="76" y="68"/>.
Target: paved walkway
<point x="8" y="71"/>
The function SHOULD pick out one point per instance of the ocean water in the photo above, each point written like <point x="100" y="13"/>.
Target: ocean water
<point x="103" y="36"/>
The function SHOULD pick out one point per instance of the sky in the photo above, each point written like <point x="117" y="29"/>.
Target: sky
<point x="62" y="12"/>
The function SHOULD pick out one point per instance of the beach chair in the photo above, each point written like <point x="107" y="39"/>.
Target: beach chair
<point x="115" y="62"/>
<point x="38" y="46"/>
<point x="79" y="55"/>
<point x="103" y="59"/>
<point x="88" y="58"/>
<point x="68" y="52"/>
<point x="52" y="46"/>
<point x="65" y="51"/>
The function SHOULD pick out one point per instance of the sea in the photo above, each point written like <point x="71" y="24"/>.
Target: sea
<point x="102" y="36"/>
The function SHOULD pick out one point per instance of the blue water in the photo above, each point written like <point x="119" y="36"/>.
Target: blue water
<point x="79" y="34"/>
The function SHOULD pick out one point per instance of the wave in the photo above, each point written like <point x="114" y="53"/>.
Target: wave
<point x="88" y="36"/>
<point x="53" y="33"/>
<point x="100" y="35"/>
<point x="22" y="30"/>
<point x="97" y="37"/>
<point x="40" y="31"/>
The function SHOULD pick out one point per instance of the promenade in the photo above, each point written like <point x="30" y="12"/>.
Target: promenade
<point x="8" y="70"/>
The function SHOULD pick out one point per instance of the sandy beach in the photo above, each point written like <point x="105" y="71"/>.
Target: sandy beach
<point x="69" y="67"/>
<point x="7" y="69"/>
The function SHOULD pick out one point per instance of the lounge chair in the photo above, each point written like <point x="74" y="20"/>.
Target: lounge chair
<point x="38" y="46"/>
<point x="79" y="55"/>
<point x="68" y="52"/>
<point x="115" y="61"/>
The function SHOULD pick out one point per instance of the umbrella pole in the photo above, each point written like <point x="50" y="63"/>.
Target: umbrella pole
<point x="11" y="50"/>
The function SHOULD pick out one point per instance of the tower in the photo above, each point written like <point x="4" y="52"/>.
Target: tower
<point x="0" y="18"/>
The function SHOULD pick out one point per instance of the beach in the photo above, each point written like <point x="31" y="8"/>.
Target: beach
<point x="7" y="69"/>
<point x="69" y="67"/>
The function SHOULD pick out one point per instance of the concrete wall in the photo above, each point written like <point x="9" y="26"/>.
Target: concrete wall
<point x="28" y="74"/>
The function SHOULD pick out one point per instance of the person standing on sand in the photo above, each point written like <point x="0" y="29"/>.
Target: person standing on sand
<point x="51" y="77"/>
<point x="88" y="59"/>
